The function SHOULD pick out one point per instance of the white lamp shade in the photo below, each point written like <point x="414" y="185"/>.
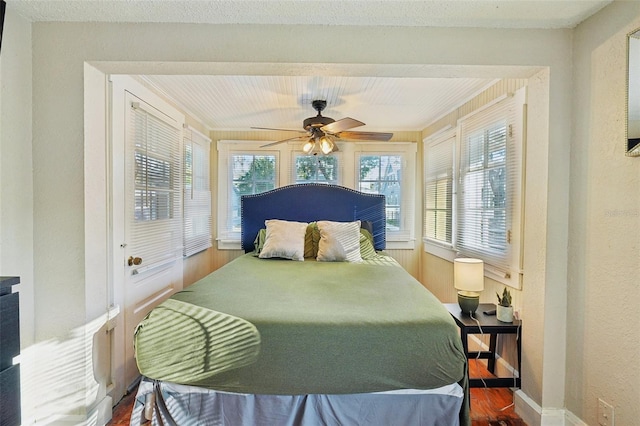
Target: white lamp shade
<point x="468" y="274"/>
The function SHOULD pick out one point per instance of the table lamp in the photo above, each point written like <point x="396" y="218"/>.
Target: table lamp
<point x="468" y="279"/>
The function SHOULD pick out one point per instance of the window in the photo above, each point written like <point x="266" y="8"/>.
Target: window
<point x="382" y="174"/>
<point x="154" y="200"/>
<point x="250" y="174"/>
<point x="242" y="170"/>
<point x="374" y="167"/>
<point x="316" y="169"/>
<point x="438" y="197"/>
<point x="482" y="212"/>
<point x="389" y="169"/>
<point x="473" y="209"/>
<point x="197" y="193"/>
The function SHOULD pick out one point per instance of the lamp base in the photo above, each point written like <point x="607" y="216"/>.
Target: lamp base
<point x="468" y="301"/>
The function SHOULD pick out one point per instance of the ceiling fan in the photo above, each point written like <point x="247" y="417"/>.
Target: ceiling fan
<point x="321" y="132"/>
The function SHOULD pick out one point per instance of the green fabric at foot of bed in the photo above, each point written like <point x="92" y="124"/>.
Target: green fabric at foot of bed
<point x="203" y="342"/>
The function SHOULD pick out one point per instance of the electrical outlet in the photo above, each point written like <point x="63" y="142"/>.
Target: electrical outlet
<point x="605" y="413"/>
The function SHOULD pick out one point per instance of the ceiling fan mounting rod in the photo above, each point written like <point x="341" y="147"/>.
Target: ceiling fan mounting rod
<point x="319" y="105"/>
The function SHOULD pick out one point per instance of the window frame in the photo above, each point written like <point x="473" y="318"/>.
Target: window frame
<point x="229" y="239"/>
<point x="404" y="238"/>
<point x="347" y="173"/>
<point x="512" y="274"/>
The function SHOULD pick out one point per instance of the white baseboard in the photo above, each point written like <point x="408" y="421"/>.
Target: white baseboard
<point x="534" y="415"/>
<point x="99" y="416"/>
<point x="527" y="408"/>
<point x="573" y="420"/>
<point x="102" y="413"/>
<point x="553" y="417"/>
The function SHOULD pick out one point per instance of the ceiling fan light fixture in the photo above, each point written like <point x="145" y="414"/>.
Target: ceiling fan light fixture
<point x="307" y="148"/>
<point x="326" y="145"/>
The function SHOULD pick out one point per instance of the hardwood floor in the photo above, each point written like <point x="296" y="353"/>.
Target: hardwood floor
<point x="489" y="407"/>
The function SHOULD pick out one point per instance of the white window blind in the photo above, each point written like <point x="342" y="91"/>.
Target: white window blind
<point x="439" y="179"/>
<point x="155" y="160"/>
<point x="197" y="192"/>
<point x="489" y="179"/>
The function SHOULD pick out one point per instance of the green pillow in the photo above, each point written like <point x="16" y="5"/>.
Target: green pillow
<point x="311" y="240"/>
<point x="367" y="250"/>
<point x="258" y="243"/>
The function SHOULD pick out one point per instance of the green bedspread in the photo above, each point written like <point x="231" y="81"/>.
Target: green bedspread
<point x="284" y="327"/>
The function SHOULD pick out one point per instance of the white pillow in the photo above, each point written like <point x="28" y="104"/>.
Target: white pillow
<point x="284" y="239"/>
<point x="339" y="241"/>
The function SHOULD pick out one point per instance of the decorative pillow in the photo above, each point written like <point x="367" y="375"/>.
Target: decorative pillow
<point x="284" y="239"/>
<point x="258" y="243"/>
<point x="339" y="241"/>
<point x="367" y="225"/>
<point x="311" y="240"/>
<point x="367" y="250"/>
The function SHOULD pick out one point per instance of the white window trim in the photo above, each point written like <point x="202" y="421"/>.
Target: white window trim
<point x="285" y="158"/>
<point x="226" y="239"/>
<point x="405" y="240"/>
<point x="514" y="277"/>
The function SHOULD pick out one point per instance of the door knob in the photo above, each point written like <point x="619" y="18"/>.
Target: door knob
<point x="134" y="261"/>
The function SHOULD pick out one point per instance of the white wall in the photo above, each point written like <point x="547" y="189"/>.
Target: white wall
<point x="604" y="242"/>
<point x="16" y="192"/>
<point x="16" y="178"/>
<point x="60" y="51"/>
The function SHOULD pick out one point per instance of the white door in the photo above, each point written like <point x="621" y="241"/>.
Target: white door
<point x="147" y="210"/>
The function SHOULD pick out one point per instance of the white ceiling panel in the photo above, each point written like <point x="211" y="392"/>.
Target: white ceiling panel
<point x="383" y="103"/>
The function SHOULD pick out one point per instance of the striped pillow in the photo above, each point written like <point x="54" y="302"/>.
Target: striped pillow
<point x="367" y="251"/>
<point x="339" y="241"/>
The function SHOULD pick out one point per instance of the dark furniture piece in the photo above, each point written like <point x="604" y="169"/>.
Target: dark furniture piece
<point x="487" y="324"/>
<point x="9" y="348"/>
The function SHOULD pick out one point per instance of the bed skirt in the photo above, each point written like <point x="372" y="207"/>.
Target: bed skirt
<point x="171" y="404"/>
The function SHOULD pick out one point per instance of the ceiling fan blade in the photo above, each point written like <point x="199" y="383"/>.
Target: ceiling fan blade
<point x="365" y="136"/>
<point x="340" y="125"/>
<point x="283" y="140"/>
<point x="280" y="130"/>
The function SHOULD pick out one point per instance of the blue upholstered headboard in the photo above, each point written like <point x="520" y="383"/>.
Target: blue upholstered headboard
<point x="312" y="202"/>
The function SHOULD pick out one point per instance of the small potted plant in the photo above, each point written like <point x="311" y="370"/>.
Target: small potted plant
<point x="504" y="311"/>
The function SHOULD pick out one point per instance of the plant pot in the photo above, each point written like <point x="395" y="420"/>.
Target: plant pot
<point x="504" y="313"/>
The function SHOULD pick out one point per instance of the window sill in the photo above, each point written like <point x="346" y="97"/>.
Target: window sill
<point x="439" y="250"/>
<point x="400" y="245"/>
<point x="229" y="244"/>
<point x="511" y="279"/>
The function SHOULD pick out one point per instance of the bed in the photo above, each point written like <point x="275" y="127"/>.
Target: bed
<point x="313" y="325"/>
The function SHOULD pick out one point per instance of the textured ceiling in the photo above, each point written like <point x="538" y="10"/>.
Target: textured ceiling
<point x="384" y="103"/>
<point x="449" y="13"/>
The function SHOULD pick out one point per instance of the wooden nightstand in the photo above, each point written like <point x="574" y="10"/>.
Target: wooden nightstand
<point x="491" y="326"/>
